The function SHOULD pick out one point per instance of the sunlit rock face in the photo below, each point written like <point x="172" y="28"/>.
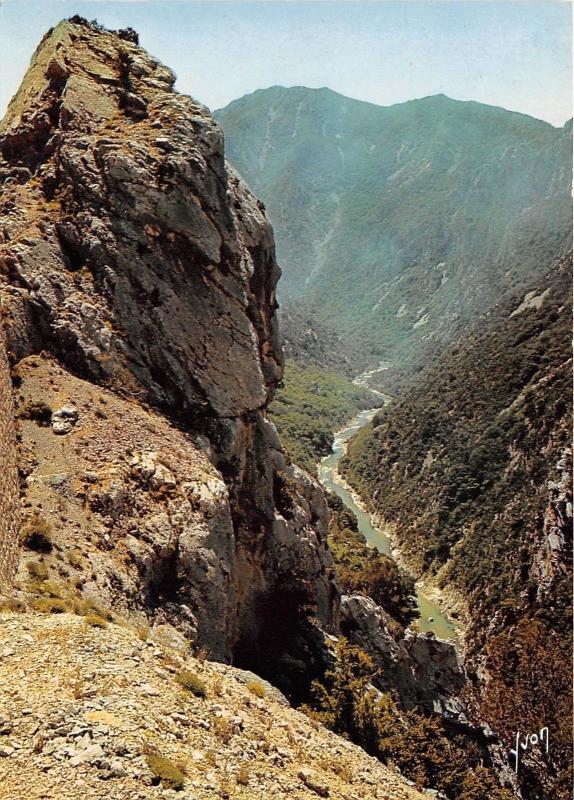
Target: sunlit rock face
<point x="133" y="258"/>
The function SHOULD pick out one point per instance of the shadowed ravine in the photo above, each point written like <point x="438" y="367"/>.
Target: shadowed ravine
<point x="441" y="625"/>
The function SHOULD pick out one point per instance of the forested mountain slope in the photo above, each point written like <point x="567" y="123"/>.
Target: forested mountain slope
<point x="472" y="468"/>
<point x="397" y="223"/>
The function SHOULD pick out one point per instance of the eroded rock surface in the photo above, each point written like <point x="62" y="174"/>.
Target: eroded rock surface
<point x="82" y="708"/>
<point x="138" y="283"/>
<point x="423" y="670"/>
<point x="137" y="271"/>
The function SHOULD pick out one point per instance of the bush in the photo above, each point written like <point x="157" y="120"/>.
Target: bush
<point x="192" y="683"/>
<point x="128" y="35"/>
<point x="480" y="783"/>
<point x="222" y="728"/>
<point x="36" y="410"/>
<point x="50" y="605"/>
<point x="169" y="774"/>
<point x="363" y="570"/>
<point x="36" y="535"/>
<point x="37" y="570"/>
<point x="95" y="621"/>
<point x="243" y="774"/>
<point x="419" y="744"/>
<point x="257" y="689"/>
<point x="12" y="604"/>
<point x="86" y="607"/>
<point x="49" y="589"/>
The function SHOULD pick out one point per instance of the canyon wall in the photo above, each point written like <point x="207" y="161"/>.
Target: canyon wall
<point x="141" y="320"/>
<point x="143" y="275"/>
<point x="9" y="490"/>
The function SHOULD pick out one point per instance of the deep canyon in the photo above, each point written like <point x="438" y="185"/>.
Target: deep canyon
<point x="197" y="598"/>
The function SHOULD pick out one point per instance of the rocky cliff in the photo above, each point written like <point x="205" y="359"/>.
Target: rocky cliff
<point x="137" y="279"/>
<point x="138" y="283"/>
<point x="9" y="483"/>
<point x="98" y="713"/>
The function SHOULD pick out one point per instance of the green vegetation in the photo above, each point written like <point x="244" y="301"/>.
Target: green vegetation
<point x="192" y="683"/>
<point x="421" y="746"/>
<point x="51" y="597"/>
<point x="50" y="605"/>
<point x="311" y="404"/>
<point x="474" y="466"/>
<point x="363" y="570"/>
<point x="165" y="771"/>
<point x="396" y="223"/>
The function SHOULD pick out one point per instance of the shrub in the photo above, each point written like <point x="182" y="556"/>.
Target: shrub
<point x="363" y="570"/>
<point x="37" y="570"/>
<point x="50" y="605"/>
<point x="192" y="683"/>
<point x="243" y="774"/>
<point x="169" y="774"/>
<point x="46" y="588"/>
<point x="11" y="604"/>
<point x="222" y="728"/>
<point x="419" y="744"/>
<point x="143" y="632"/>
<point x="128" y="35"/>
<point x="38" y="411"/>
<point x="36" y="535"/>
<point x="86" y="607"/>
<point x="257" y="689"/>
<point x="95" y="621"/>
<point x="480" y="783"/>
<point x="75" y="558"/>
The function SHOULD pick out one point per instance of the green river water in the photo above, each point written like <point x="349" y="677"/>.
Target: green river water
<point x="440" y="625"/>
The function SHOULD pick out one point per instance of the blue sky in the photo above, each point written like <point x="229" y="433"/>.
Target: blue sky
<point x="513" y="54"/>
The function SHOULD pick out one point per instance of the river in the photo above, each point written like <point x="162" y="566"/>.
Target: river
<point x="440" y="625"/>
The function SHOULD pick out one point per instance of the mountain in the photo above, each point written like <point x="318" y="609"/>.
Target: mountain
<point x="398" y="224"/>
<point x="472" y="471"/>
<point x="139" y="325"/>
<point x="313" y="344"/>
<point x="152" y="529"/>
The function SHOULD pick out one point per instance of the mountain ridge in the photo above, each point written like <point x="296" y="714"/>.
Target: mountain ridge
<point x="279" y="88"/>
<point x="397" y="225"/>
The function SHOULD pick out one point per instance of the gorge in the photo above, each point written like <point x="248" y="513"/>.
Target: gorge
<point x="432" y="617"/>
<point x="184" y="610"/>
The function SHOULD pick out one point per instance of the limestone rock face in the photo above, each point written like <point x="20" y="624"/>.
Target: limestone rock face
<point x="551" y="557"/>
<point x="151" y="268"/>
<point x="424" y="670"/>
<point x="133" y="258"/>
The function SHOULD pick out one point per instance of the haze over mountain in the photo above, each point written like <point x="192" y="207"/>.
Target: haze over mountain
<point x="395" y="223"/>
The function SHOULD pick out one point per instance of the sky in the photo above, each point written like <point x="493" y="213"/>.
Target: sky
<point x="512" y="54"/>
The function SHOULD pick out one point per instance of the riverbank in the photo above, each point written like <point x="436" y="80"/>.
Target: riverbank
<point x="433" y="617"/>
<point x="447" y="599"/>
